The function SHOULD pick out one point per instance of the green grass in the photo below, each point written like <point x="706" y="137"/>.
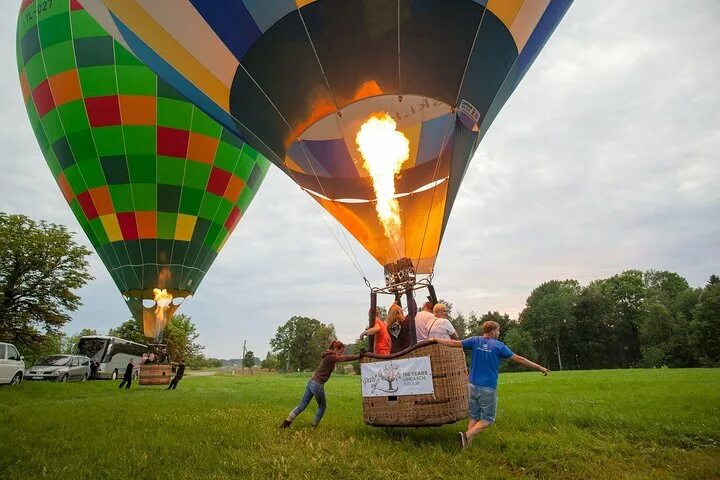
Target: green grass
<point x="601" y="424"/>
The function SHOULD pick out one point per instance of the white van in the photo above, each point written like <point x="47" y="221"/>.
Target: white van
<point x="12" y="365"/>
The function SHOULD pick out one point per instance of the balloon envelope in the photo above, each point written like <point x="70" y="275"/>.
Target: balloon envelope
<point x="155" y="183"/>
<point x="296" y="79"/>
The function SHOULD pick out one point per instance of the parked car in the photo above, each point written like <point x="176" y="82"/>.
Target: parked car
<point x="60" y="368"/>
<point x="12" y="365"/>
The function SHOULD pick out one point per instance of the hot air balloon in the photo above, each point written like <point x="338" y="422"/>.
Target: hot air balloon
<point x="297" y="79"/>
<point x="155" y="183"/>
<point x="373" y="107"/>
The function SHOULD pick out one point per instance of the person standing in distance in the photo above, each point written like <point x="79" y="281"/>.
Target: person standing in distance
<point x="487" y="354"/>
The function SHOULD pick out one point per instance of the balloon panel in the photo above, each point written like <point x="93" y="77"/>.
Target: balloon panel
<point x="305" y="74"/>
<point x="155" y="183"/>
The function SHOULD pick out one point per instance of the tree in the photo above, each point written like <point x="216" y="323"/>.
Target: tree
<point x="520" y="342"/>
<point x="592" y="337"/>
<point x="705" y="325"/>
<point x="49" y="344"/>
<point x="664" y="322"/>
<point x="41" y="268"/>
<point x="459" y="324"/>
<point x="549" y="316"/>
<point x="475" y="326"/>
<point x="69" y="344"/>
<point x="300" y="341"/>
<point x="130" y="330"/>
<point x="271" y="362"/>
<point x="627" y="293"/>
<point x="249" y="360"/>
<point x="180" y="335"/>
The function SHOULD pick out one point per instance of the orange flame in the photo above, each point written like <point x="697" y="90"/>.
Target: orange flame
<point x="384" y="149"/>
<point x="162" y="300"/>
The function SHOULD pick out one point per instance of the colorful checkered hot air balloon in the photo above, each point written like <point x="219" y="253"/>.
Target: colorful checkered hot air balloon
<point x="299" y="79"/>
<point x="155" y="183"/>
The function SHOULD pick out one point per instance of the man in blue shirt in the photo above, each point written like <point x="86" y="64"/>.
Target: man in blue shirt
<point x="487" y="354"/>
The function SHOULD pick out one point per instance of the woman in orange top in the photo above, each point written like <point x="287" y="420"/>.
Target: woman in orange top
<point x="382" y="337"/>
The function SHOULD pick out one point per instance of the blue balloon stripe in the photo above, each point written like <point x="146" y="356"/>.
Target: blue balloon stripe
<point x="545" y="27"/>
<point x="231" y="22"/>
<point x="333" y="155"/>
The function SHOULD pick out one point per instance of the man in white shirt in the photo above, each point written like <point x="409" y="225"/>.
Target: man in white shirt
<point x="423" y="319"/>
<point x="441" y="327"/>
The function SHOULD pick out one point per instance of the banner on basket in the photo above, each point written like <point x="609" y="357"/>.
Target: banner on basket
<point x="409" y="376"/>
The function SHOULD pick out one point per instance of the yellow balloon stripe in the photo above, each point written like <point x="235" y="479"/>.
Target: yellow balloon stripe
<point x="157" y="38"/>
<point x="519" y="16"/>
<point x="526" y="20"/>
<point x="191" y="31"/>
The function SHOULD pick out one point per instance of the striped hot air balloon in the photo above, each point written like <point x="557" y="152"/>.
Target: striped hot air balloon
<point x="298" y="79"/>
<point x="155" y="183"/>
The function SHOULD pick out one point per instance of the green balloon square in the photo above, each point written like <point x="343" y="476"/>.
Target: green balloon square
<point x="83" y="25"/>
<point x="98" y="81"/>
<point x="145" y="196"/>
<point x="109" y="141"/>
<point x="54" y="30"/>
<point x="122" y="198"/>
<point x="143" y="168"/>
<point x="136" y="80"/>
<point x="58" y="58"/>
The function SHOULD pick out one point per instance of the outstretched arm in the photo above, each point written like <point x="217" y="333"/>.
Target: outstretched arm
<point x="346" y="358"/>
<point x="527" y="363"/>
<point x="448" y="342"/>
<point x="369" y="331"/>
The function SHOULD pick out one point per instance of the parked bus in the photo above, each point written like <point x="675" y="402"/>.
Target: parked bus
<point x="112" y="353"/>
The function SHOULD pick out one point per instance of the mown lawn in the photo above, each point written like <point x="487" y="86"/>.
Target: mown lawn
<point x="601" y="424"/>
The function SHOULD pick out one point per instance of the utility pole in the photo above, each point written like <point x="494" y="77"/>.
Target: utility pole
<point x="242" y="361"/>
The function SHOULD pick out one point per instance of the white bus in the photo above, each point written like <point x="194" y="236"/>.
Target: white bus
<point x="112" y="353"/>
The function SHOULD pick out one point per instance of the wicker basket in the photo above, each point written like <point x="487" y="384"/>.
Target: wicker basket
<point x="155" y="374"/>
<point x="450" y="382"/>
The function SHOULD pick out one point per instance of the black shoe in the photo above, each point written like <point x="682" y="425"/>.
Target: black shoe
<point x="285" y="424"/>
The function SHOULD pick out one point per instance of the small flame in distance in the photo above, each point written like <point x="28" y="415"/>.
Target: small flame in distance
<point x="384" y="150"/>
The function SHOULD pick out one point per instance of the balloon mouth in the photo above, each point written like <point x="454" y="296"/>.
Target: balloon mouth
<point x="154" y="311"/>
<point x="334" y="135"/>
<point x="179" y="296"/>
<point x="421" y="189"/>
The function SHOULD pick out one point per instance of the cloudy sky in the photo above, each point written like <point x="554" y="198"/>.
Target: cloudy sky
<point x="604" y="159"/>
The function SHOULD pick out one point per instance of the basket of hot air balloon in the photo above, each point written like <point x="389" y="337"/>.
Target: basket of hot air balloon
<point x="374" y="109"/>
<point x="446" y="398"/>
<point x="156" y="184"/>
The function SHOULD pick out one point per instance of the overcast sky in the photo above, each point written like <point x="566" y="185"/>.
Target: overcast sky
<point x="604" y="159"/>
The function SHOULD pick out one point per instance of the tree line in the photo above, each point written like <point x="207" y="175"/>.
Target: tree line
<point x="632" y="319"/>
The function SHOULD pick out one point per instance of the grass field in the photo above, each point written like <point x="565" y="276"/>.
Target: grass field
<point x="601" y="424"/>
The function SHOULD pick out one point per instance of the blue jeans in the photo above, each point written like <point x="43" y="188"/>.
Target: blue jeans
<point x="313" y="389"/>
<point x="482" y="403"/>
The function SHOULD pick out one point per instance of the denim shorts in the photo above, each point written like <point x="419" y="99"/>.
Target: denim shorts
<point x="482" y="403"/>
